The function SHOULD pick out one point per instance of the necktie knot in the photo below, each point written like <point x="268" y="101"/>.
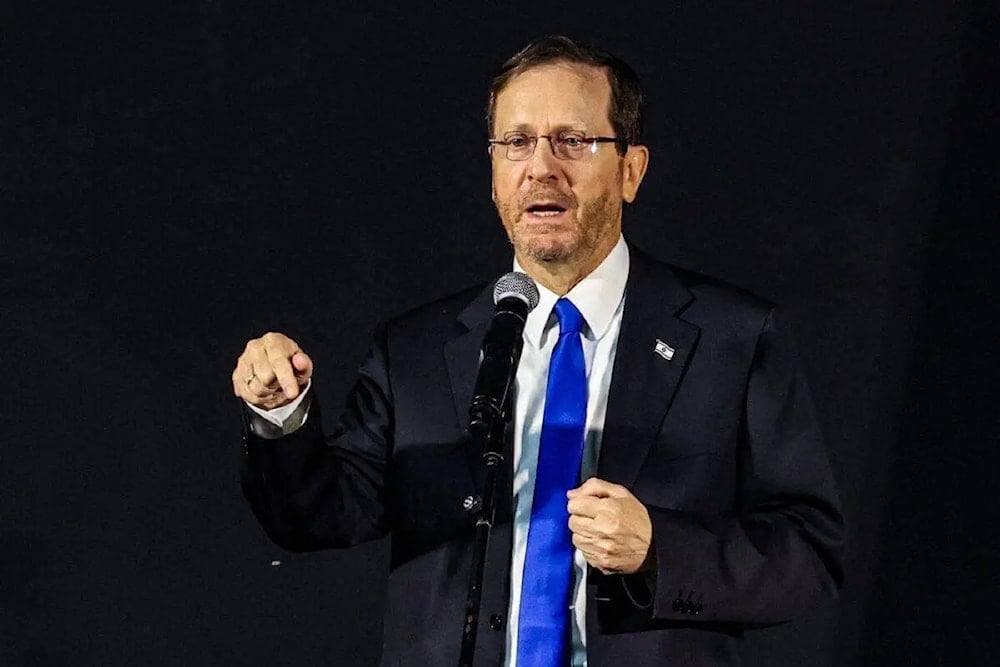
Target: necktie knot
<point x="570" y="319"/>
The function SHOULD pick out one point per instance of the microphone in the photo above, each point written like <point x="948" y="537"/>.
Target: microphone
<point x="515" y="295"/>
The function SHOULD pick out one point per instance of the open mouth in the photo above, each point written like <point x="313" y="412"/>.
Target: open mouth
<point x="545" y="210"/>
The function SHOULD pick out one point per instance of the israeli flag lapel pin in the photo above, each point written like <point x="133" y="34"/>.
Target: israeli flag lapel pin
<point x="664" y="350"/>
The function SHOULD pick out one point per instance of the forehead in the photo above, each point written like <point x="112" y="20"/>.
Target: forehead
<point x="555" y="94"/>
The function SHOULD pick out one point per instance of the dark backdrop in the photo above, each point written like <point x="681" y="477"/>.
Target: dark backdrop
<point x="178" y="179"/>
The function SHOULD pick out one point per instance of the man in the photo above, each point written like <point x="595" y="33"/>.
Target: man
<point x="665" y="484"/>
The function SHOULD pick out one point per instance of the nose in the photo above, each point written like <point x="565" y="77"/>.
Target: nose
<point x="543" y="163"/>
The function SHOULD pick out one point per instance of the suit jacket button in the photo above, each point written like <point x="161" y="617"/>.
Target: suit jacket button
<point x="496" y="622"/>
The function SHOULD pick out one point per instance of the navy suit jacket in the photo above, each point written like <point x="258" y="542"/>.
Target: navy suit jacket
<point x="720" y="443"/>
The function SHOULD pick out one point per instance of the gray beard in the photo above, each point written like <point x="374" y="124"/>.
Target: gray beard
<point x="602" y="214"/>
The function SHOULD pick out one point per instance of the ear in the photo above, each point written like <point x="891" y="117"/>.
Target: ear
<point x="634" y="164"/>
<point x="493" y="186"/>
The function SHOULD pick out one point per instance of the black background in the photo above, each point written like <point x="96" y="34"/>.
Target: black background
<point x="178" y="179"/>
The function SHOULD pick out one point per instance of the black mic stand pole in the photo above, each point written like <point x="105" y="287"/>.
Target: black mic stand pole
<point x="491" y="442"/>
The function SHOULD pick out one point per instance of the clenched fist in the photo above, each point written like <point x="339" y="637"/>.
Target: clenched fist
<point x="611" y="527"/>
<point x="271" y="371"/>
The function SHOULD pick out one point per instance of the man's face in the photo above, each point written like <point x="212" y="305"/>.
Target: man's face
<point x="557" y="210"/>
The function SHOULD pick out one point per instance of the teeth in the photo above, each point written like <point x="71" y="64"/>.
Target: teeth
<point x="546" y="214"/>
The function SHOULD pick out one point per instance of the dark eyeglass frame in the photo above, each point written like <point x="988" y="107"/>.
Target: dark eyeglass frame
<point x="557" y="142"/>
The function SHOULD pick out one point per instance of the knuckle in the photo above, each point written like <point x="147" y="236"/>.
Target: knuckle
<point x="276" y="338"/>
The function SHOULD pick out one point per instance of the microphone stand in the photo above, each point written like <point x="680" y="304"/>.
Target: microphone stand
<point x="489" y="413"/>
<point x="491" y="441"/>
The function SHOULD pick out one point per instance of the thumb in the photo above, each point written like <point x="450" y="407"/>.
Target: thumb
<point x="302" y="364"/>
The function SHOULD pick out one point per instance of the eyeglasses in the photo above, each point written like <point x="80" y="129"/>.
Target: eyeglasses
<point x="565" y="145"/>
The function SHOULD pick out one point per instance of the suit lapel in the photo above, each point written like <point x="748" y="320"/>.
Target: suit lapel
<point x="462" y="353"/>
<point x="643" y="382"/>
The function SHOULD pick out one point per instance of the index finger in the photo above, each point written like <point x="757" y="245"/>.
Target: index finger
<point x="584" y="506"/>
<point x="282" y="366"/>
<point x="599" y="488"/>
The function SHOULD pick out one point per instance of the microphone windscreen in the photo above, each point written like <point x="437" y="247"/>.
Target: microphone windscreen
<point x="518" y="285"/>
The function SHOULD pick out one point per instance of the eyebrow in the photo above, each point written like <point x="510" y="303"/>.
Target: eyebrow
<point x="562" y="127"/>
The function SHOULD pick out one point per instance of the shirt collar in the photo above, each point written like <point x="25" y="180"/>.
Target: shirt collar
<point x="597" y="297"/>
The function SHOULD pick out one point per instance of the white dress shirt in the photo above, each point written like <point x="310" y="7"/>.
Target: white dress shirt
<point x="600" y="298"/>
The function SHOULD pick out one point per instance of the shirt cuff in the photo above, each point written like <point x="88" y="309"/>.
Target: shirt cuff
<point x="272" y="424"/>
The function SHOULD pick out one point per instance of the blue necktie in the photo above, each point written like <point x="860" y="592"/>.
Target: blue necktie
<point x="543" y="621"/>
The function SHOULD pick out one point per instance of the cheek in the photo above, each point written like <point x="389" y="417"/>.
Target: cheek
<point x="506" y="181"/>
<point x="503" y="190"/>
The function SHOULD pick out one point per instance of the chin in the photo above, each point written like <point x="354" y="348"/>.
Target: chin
<point x="548" y="249"/>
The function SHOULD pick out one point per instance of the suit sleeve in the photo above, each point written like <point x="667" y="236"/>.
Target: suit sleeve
<point x="310" y="491"/>
<point x="781" y="545"/>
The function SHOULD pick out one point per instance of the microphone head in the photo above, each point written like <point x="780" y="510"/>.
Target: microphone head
<point x="517" y="285"/>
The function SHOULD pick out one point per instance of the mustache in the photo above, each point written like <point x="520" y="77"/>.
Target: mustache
<point x="536" y="195"/>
